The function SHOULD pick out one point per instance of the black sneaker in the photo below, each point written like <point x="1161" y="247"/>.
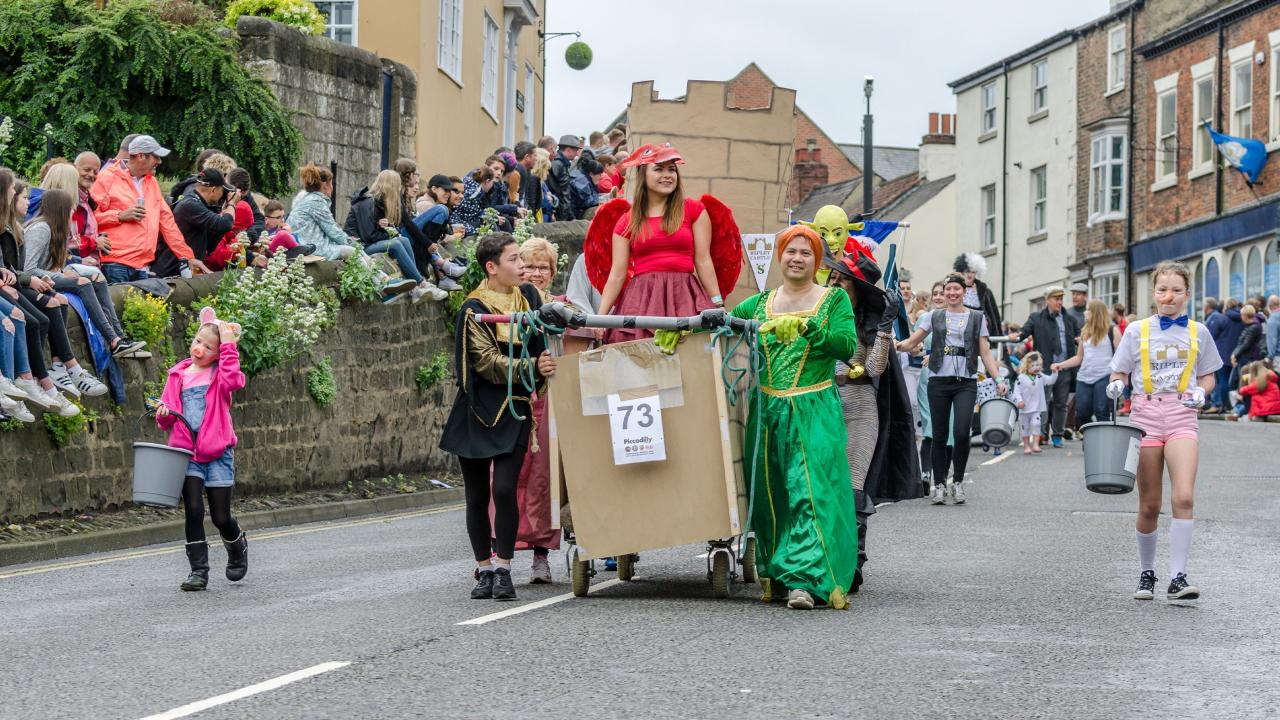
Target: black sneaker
<point x="484" y="586"/>
<point x="127" y="347"/>
<point x="1146" y="586"/>
<point x="1180" y="589"/>
<point x="503" y="587"/>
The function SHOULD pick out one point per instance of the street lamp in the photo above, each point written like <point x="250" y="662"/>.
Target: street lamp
<point x="868" y="83"/>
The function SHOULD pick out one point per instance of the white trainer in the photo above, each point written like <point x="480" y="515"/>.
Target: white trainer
<point x="16" y="409"/>
<point x="35" y="393"/>
<point x="7" y="388"/>
<point x="62" y="380"/>
<point x="89" y="385"/>
<point x="60" y="405"/>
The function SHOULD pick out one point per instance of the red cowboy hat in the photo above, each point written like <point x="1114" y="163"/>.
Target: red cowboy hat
<point x="652" y="154"/>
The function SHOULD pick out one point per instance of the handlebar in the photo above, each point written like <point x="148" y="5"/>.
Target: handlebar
<point x="560" y="315"/>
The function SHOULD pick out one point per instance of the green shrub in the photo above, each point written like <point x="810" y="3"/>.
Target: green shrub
<point x="295" y="13"/>
<point x="432" y="373"/>
<point x="356" y="280"/>
<point x="147" y="317"/>
<point x="320" y="383"/>
<point x="61" y="429"/>
<point x="94" y="76"/>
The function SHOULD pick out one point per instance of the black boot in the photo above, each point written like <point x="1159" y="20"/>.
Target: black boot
<point x="484" y="585"/>
<point x="862" y="550"/>
<point x="237" y="558"/>
<point x="198" y="555"/>
<point x="503" y="587"/>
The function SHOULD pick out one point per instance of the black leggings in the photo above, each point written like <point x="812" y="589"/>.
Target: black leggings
<point x="926" y="452"/>
<point x="501" y="536"/>
<point x="193" y="493"/>
<point x="951" y="398"/>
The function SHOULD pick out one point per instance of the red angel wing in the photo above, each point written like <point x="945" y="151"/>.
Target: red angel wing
<point x="598" y="246"/>
<point x="726" y="244"/>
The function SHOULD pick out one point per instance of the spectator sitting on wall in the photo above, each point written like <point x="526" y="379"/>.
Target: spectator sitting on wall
<point x="558" y="178"/>
<point x="605" y="184"/>
<point x="86" y="225"/>
<point x="279" y="237"/>
<point x="499" y="195"/>
<point x="476" y="191"/>
<point x="435" y="226"/>
<point x="132" y="209"/>
<point x="206" y="212"/>
<point x="510" y="176"/>
<point x="530" y="186"/>
<point x="241" y="180"/>
<point x="375" y="216"/>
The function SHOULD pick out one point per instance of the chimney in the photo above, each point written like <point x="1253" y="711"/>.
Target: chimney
<point x="809" y="171"/>
<point x="937" y="149"/>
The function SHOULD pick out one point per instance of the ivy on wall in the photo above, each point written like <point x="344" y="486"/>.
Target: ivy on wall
<point x="92" y="76"/>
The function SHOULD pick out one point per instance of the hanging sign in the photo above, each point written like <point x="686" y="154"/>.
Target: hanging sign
<point x="759" y="251"/>
<point x="635" y="425"/>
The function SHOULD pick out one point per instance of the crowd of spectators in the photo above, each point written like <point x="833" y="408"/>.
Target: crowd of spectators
<point x="90" y="223"/>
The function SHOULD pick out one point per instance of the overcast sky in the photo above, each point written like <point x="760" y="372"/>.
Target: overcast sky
<point x="912" y="47"/>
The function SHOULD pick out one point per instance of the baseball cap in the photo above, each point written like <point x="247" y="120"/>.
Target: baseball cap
<point x="212" y="177"/>
<point x="440" y="181"/>
<point x="570" y="141"/>
<point x="1080" y="287"/>
<point x="147" y="145"/>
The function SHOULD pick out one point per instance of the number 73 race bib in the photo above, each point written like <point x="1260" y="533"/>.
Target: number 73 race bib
<point x="635" y="425"/>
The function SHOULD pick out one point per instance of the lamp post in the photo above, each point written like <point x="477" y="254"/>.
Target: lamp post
<point x="867" y="86"/>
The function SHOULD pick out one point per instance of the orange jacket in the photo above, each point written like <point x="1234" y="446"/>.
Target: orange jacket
<point x="134" y="243"/>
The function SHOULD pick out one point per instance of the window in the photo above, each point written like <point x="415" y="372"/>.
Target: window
<point x="1115" y="59"/>
<point x="339" y="20"/>
<point x="1211" y="279"/>
<point x="449" y="57"/>
<point x="1242" y="99"/>
<point x="1107" y="288"/>
<point x="1253" y="273"/>
<point x="1039" y="85"/>
<point x="1039" y="200"/>
<point x="1107" y="176"/>
<point x="489" y="68"/>
<point x="988" y="108"/>
<point x="1202" y="112"/>
<point x="529" y="113"/>
<point x="989" y="216"/>
<point x="1235" y="278"/>
<point x="1167" y="129"/>
<point x="1271" y="269"/>
<point x="1274" y="135"/>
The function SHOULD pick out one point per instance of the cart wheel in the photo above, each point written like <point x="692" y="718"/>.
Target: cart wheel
<point x="627" y="567"/>
<point x="581" y="576"/>
<point x="720" y="575"/>
<point x="749" y="562"/>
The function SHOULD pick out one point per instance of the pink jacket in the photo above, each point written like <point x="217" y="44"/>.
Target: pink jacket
<point x="215" y="434"/>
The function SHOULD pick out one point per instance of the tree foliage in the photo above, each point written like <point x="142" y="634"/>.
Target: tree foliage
<point x="93" y="76"/>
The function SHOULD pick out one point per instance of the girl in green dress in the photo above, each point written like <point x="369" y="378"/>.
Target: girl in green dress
<point x="803" y="513"/>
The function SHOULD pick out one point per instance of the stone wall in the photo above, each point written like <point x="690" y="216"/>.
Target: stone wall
<point x="379" y="424"/>
<point x="333" y="93"/>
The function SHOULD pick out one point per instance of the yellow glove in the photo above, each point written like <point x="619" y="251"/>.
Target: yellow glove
<point x="786" y="328"/>
<point x="666" y="340"/>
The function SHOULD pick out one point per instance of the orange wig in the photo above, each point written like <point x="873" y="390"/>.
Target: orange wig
<point x="800" y="231"/>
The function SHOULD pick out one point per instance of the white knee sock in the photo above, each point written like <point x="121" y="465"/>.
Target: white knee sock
<point x="1179" y="545"/>
<point x="1147" y="550"/>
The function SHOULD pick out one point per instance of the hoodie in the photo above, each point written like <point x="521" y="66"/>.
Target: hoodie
<point x="1230" y="336"/>
<point x="216" y="433"/>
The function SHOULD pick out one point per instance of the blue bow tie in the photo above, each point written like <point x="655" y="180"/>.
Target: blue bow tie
<point x="1166" y="323"/>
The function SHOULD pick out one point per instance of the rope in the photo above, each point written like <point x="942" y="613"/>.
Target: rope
<point x="732" y="377"/>
<point x="525" y="326"/>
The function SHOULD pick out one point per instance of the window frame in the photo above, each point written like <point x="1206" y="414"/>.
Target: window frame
<point x="329" y="27"/>
<point x="1109" y="295"/>
<point x="991" y="110"/>
<point x="1201" y="143"/>
<point x="449" y="55"/>
<point x="1116" y="58"/>
<point x="1039" y="183"/>
<point x="1240" y="57"/>
<point x="987" y="198"/>
<point x="490" y="59"/>
<point x="1165" y="165"/>
<point x="1101" y="170"/>
<point x="1040" y="86"/>
<point x="530" y="86"/>
<point x="1273" y="136"/>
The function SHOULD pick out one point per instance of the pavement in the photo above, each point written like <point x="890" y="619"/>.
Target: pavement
<point x="1017" y="604"/>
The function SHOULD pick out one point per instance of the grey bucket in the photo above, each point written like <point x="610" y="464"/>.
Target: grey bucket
<point x="160" y="470"/>
<point x="1111" y="457"/>
<point x="998" y="418"/>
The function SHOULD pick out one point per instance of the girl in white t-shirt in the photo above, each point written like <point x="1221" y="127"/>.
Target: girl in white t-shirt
<point x="1170" y="360"/>
<point x="1029" y="396"/>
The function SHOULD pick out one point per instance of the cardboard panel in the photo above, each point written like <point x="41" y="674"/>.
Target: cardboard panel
<point x="693" y="496"/>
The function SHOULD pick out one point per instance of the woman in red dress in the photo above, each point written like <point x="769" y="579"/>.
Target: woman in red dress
<point x="666" y="254"/>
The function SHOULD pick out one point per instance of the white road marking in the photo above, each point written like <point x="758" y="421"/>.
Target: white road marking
<point x="272" y="684"/>
<point x="67" y="565"/>
<point x="1001" y="458"/>
<point x="883" y="504"/>
<point x="535" y="605"/>
<point x="703" y="556"/>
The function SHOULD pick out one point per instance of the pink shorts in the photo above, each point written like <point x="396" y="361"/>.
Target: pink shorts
<point x="1163" y="417"/>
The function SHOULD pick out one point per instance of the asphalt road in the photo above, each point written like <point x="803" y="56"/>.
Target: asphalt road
<point x="1014" y="605"/>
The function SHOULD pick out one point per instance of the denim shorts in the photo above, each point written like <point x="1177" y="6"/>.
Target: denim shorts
<point x="219" y="472"/>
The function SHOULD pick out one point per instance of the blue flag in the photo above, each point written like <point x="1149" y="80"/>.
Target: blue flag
<point x="1244" y="154"/>
<point x="877" y="230"/>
